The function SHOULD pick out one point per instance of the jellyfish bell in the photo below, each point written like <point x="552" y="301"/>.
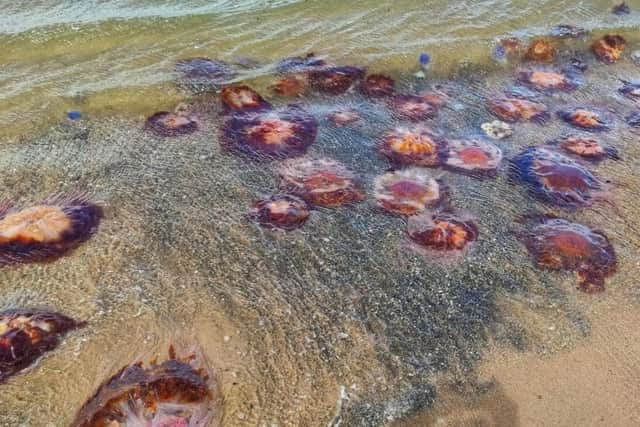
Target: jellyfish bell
<point x="284" y="132"/>
<point x="586" y="119"/>
<point x="335" y="80"/>
<point x="609" y="48"/>
<point x="242" y="99"/>
<point x="418" y="146"/>
<point x="48" y="230"/>
<point x="546" y="80"/>
<point x="176" y="392"/>
<point x="559" y="244"/>
<point x="585" y="147"/>
<point x="289" y="86"/>
<point x="555" y="178"/>
<point x="474" y="157"/>
<point x="281" y="211"/>
<point x="442" y="232"/>
<point x="26" y="335"/>
<point x="407" y="191"/>
<point x="514" y="109"/>
<point x="321" y="182"/>
<point x="169" y="124"/>
<point x="411" y="107"/>
<point x="540" y="50"/>
<point x="378" y="85"/>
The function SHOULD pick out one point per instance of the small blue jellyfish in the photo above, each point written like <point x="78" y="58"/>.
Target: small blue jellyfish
<point x="74" y="115"/>
<point x="425" y="60"/>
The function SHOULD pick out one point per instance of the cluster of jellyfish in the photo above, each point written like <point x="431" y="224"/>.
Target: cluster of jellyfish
<point x="182" y="391"/>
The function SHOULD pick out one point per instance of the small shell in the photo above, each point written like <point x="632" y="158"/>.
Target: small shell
<point x="474" y="157"/>
<point x="407" y="191"/>
<point x="378" y="85"/>
<point x="282" y="211"/>
<point x="335" y="80"/>
<point x="242" y="99"/>
<point x="442" y="231"/>
<point x="586" y="119"/>
<point x="497" y="129"/>
<point x="609" y="48"/>
<point x="512" y="109"/>
<point x="541" y="51"/>
<point x="165" y="123"/>
<point x="418" y="146"/>
<point x="321" y="182"/>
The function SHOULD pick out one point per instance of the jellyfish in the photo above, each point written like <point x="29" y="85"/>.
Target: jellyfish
<point x="26" y="335"/>
<point x="165" y="123"/>
<point x="321" y="182"/>
<point x="507" y="48"/>
<point x="585" y="147"/>
<point x="407" y="191"/>
<point x="48" y="230"/>
<point x="586" y="119"/>
<point x="540" y="51"/>
<point x="378" y="85"/>
<point x="281" y="211"/>
<point x="412" y="107"/>
<point x="473" y="156"/>
<point x="609" y="48"/>
<point x="555" y="178"/>
<point x="177" y="392"/>
<point x="559" y="244"/>
<point x="289" y="86"/>
<point x="512" y="109"/>
<point x="419" y="146"/>
<point x="242" y="99"/>
<point x="335" y="80"/>
<point x="442" y="231"/>
<point x="621" y="8"/>
<point x="285" y="132"/>
<point x="544" y="80"/>
<point x="204" y="70"/>
<point x="299" y="64"/>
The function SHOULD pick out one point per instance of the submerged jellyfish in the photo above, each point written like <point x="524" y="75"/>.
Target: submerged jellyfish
<point x="512" y="109"/>
<point x="177" y="392"/>
<point x="630" y="90"/>
<point x="586" y="119"/>
<point x="558" y="244"/>
<point x="299" y="64"/>
<point x="609" y="48"/>
<point x="412" y="107"/>
<point x="285" y="132"/>
<point x="204" y="70"/>
<point x="282" y="211"/>
<point x="407" y="191"/>
<point x="289" y="86"/>
<point x="442" y="231"/>
<point x="586" y="147"/>
<point x="554" y="177"/>
<point x="621" y="9"/>
<point x="473" y="156"/>
<point x="540" y="51"/>
<point x="507" y="48"/>
<point x="543" y="80"/>
<point x="48" y="230"/>
<point x="378" y="85"/>
<point x="321" y="182"/>
<point x="335" y="80"/>
<point x="165" y="123"/>
<point x="242" y="99"/>
<point x="25" y="335"/>
<point x="419" y="146"/>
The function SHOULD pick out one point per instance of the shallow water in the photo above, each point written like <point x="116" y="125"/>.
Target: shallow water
<point x="340" y="322"/>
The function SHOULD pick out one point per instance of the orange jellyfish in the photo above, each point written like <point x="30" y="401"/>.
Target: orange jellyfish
<point x="412" y="107"/>
<point x="282" y="211"/>
<point x="609" y="48"/>
<point x="335" y="80"/>
<point x="165" y="123"/>
<point x="540" y="51"/>
<point x="585" y="147"/>
<point x="442" y="231"/>
<point x="473" y="156"/>
<point x="407" y="191"/>
<point x="587" y="119"/>
<point x="418" y="146"/>
<point x="544" y="80"/>
<point x="513" y="109"/>
<point x="378" y="85"/>
<point x="242" y="99"/>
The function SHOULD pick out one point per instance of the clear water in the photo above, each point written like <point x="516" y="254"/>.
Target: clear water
<point x="338" y="323"/>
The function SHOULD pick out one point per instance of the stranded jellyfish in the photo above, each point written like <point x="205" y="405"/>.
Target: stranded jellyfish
<point x="412" y="107"/>
<point x="512" y="109"/>
<point x="586" y="147"/>
<point x="507" y="48"/>
<point x="442" y="231"/>
<point x="179" y="392"/>
<point x="418" y="146"/>
<point x="242" y="99"/>
<point x="204" y="70"/>
<point x="46" y="231"/>
<point x="282" y="211"/>
<point x="555" y="177"/>
<point x="547" y="80"/>
<point x="344" y="117"/>
<point x="289" y="86"/>
<point x="299" y="64"/>
<point x="378" y="85"/>
<point x="25" y="335"/>
<point x="540" y="51"/>
<point x="321" y="182"/>
<point x="473" y="156"/>
<point x="609" y="48"/>
<point x="630" y="90"/>
<point x="165" y="123"/>
<point x="407" y="191"/>
<point x="586" y="119"/>
<point x="335" y="80"/>
<point x="285" y="132"/>
<point x="558" y="244"/>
